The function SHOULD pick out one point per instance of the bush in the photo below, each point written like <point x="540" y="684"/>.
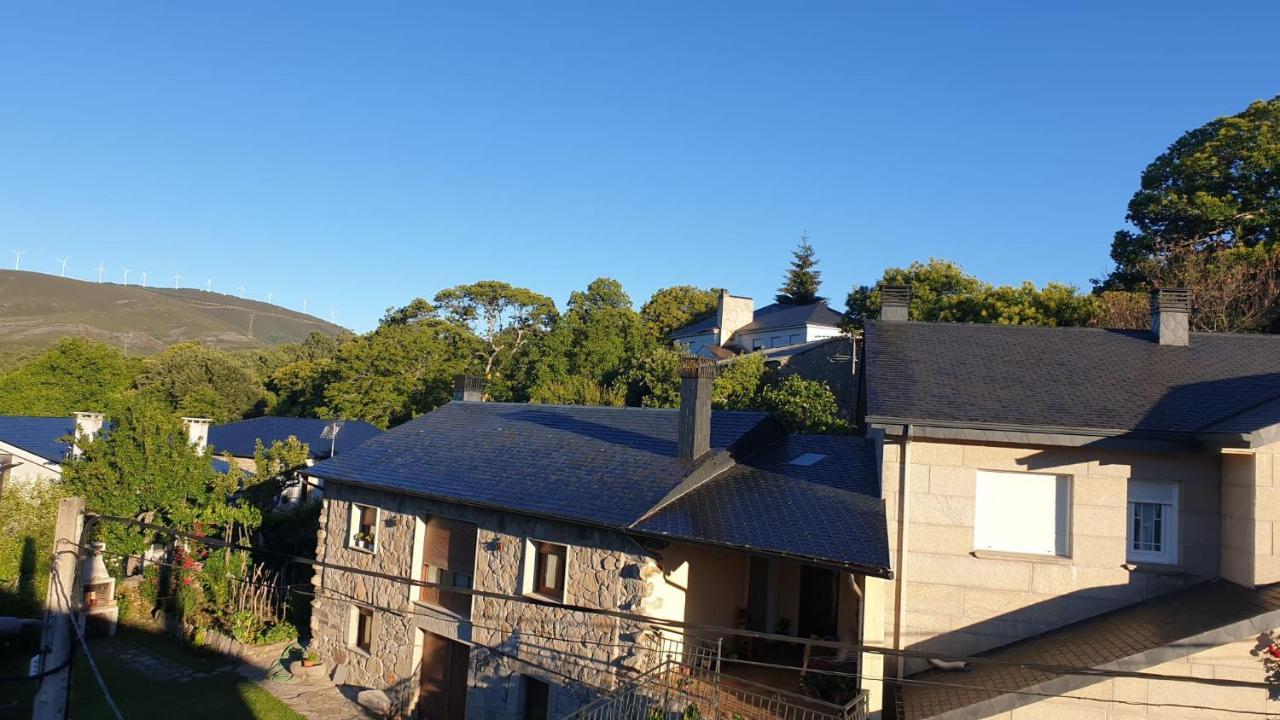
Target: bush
<point x="250" y="629"/>
<point x="27" y="516"/>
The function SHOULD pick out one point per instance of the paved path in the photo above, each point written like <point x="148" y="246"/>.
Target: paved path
<point x="318" y="698"/>
<point x="157" y="667"/>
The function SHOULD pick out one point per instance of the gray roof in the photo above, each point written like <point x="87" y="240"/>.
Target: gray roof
<point x="1131" y="638"/>
<point x="40" y="436"/>
<point x="1073" y="380"/>
<point x="617" y="468"/>
<point x="239" y="438"/>
<point x="770" y="317"/>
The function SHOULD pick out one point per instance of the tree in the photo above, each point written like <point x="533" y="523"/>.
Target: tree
<point x="653" y="378"/>
<point x="199" y="381"/>
<point x="75" y="374"/>
<point x="802" y="282"/>
<point x="145" y="467"/>
<point x="804" y="406"/>
<point x="670" y="309"/>
<point x="740" y="382"/>
<point x="941" y="291"/>
<point x="1213" y="189"/>
<point x="1234" y="289"/>
<point x="296" y="385"/>
<point x="504" y="317"/>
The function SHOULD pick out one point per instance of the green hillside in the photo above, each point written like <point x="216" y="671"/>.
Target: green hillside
<point x="38" y="309"/>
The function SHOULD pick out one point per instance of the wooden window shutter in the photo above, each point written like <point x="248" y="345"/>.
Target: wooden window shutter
<point x="438" y="540"/>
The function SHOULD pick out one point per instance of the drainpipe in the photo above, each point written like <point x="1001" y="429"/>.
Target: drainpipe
<point x="904" y="518"/>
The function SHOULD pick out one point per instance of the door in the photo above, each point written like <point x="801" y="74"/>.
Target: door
<point x="536" y="695"/>
<point x="817" y="603"/>
<point x="758" y="595"/>
<point x="442" y="684"/>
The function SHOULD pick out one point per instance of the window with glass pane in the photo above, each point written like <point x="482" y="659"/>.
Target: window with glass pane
<point x="448" y="559"/>
<point x="364" y="629"/>
<point x="548" y="573"/>
<point x="1153" y="522"/>
<point x="364" y="527"/>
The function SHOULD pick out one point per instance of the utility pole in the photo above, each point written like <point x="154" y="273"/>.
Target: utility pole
<point x="59" y="612"/>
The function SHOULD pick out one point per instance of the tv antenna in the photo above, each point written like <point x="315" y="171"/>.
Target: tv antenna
<point x="330" y="433"/>
<point x="17" y="258"/>
<point x="64" y="266"/>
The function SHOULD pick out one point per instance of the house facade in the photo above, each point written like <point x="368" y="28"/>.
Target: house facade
<point x="566" y="550"/>
<point x="1076" y="497"/>
<point x="738" y="327"/>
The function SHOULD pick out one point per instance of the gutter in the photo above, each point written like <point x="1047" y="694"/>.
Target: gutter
<point x="904" y="523"/>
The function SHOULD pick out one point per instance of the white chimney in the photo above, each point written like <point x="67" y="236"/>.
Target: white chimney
<point x="197" y="432"/>
<point x="732" y="314"/>
<point x="88" y="425"/>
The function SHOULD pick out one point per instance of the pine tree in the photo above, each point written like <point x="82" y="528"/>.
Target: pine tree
<point x="802" y="282"/>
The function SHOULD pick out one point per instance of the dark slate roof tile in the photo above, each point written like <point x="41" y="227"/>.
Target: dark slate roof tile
<point x="238" y="438"/>
<point x="779" y="315"/>
<point x="38" y="435"/>
<point x="1069" y="378"/>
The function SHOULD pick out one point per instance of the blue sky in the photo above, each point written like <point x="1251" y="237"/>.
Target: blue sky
<point x="361" y="154"/>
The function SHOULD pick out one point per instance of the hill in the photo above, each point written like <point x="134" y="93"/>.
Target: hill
<point x="37" y="309"/>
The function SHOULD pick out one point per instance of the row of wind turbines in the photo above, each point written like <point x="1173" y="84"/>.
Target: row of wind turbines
<point x="176" y="277"/>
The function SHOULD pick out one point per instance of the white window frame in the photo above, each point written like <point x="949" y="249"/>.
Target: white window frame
<point x="1153" y="492"/>
<point x="353" y="527"/>
<point x="419" y="550"/>
<point x="529" y="584"/>
<point x="353" y="629"/>
<point x="1001" y="523"/>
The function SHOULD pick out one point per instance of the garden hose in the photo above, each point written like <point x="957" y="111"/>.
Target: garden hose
<point x="284" y="674"/>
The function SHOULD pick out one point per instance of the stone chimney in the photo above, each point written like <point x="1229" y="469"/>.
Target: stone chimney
<point x="88" y="425"/>
<point x="696" y="376"/>
<point x="468" y="388"/>
<point x="1170" y="316"/>
<point x="894" y="302"/>
<point x="732" y="313"/>
<point x="197" y="432"/>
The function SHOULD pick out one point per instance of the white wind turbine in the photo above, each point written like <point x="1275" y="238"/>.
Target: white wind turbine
<point x="64" y="266"/>
<point x="208" y="286"/>
<point x="126" y="275"/>
<point x="177" y="279"/>
<point x="17" y="260"/>
<point x="304" y="304"/>
<point x="144" y="279"/>
<point x="241" y="289"/>
<point x="102" y="267"/>
<point x="269" y="296"/>
<point x="333" y="315"/>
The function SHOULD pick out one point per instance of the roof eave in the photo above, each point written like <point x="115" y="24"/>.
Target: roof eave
<point x="1019" y="433"/>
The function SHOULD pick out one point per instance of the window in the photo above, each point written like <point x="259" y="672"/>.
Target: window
<point x="536" y="694"/>
<point x="360" y="629"/>
<point x="548" y="570"/>
<point x="1153" y="522"/>
<point x="448" y="557"/>
<point x="795" y="340"/>
<point x="364" y="528"/>
<point x="756" y="344"/>
<point x="1026" y="513"/>
<point x="775" y="341"/>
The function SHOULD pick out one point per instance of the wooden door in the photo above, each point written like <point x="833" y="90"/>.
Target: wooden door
<point x="442" y="684"/>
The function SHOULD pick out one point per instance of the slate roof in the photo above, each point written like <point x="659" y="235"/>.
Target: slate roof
<point x="38" y="435"/>
<point x="1213" y="613"/>
<point x="830" y="510"/>
<point x="613" y="466"/>
<point x="238" y="438"/>
<point x="1073" y="379"/>
<point x="770" y="317"/>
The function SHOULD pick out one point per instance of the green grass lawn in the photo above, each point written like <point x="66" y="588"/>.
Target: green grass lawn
<point x="223" y="696"/>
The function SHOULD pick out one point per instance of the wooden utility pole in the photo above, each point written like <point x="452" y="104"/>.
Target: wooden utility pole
<point x="60" y="611"/>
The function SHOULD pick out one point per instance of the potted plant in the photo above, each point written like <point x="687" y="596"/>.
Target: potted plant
<point x="310" y="658"/>
<point x="363" y="540"/>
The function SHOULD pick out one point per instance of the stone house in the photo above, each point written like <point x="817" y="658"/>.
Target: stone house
<point x="1076" y="497"/>
<point x="737" y="327"/>
<point x="584" y="540"/>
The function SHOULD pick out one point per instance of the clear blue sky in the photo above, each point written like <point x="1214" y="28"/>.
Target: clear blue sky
<point x="361" y="154"/>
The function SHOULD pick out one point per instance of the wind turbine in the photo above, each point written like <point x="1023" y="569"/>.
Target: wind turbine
<point x="241" y="289"/>
<point x="177" y="278"/>
<point x="64" y="266"/>
<point x="126" y="275"/>
<point x="333" y="314"/>
<point x="102" y="267"/>
<point x="304" y="304"/>
<point x="144" y="279"/>
<point x="269" y="296"/>
<point x="17" y="261"/>
<point x="208" y="286"/>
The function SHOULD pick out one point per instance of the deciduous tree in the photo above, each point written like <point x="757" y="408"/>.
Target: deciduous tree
<point x="670" y="309"/>
<point x="503" y="316"/>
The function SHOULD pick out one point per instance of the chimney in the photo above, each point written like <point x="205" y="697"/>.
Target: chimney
<point x="468" y="388"/>
<point x="732" y="313"/>
<point x="1170" y="316"/>
<point x="696" y="375"/>
<point x="88" y="425"/>
<point x="894" y="301"/>
<point x="197" y="432"/>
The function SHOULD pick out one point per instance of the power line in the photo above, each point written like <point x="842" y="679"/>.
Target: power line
<point x="710" y="629"/>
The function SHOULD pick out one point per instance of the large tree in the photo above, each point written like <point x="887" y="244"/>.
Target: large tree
<point x="200" y="381"/>
<point x="75" y="374"/>
<point x="1214" y="188"/>
<point x="802" y="282"/>
<point x="503" y="316"/>
<point x="671" y="308"/>
<point x="941" y="291"/>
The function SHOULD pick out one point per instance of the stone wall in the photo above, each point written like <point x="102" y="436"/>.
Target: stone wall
<point x="962" y="602"/>
<point x="577" y="654"/>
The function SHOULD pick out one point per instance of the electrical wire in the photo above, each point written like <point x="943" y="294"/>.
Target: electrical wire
<point x="713" y="629"/>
